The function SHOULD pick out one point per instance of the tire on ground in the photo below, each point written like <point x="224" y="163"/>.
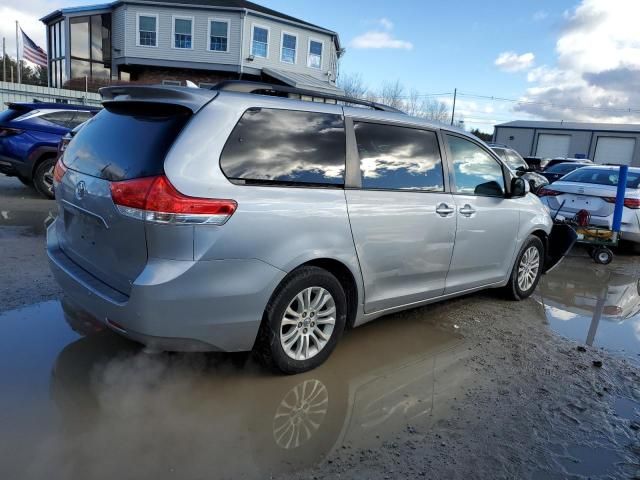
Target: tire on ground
<point x="268" y="347"/>
<point x="40" y="177"/>
<point x="512" y="289"/>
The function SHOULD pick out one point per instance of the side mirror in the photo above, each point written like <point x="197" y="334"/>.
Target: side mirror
<point x="519" y="187"/>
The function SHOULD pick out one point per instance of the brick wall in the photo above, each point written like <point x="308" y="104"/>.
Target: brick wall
<point x="154" y="75"/>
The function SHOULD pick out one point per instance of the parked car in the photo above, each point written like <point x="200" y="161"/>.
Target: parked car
<point x="550" y="162"/>
<point x="265" y="232"/>
<point x="594" y="189"/>
<point x="67" y="137"/>
<point x="559" y="170"/>
<point x="516" y="163"/>
<point x="29" y="137"/>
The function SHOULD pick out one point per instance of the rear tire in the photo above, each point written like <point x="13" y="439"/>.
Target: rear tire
<point x="526" y="270"/>
<point x="303" y="321"/>
<point x="43" y="177"/>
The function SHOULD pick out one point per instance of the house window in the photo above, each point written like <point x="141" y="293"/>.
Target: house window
<point x="260" y="43"/>
<point x="218" y="35"/>
<point x="314" y="60"/>
<point x="147" y="30"/>
<point x="182" y="32"/>
<point x="289" y="44"/>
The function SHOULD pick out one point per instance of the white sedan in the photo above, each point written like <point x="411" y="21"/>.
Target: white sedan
<point x="594" y="189"/>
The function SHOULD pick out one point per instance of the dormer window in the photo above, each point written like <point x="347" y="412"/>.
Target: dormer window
<point x="289" y="46"/>
<point x="260" y="42"/>
<point x="218" y="35"/>
<point x="182" y="32"/>
<point x="314" y="59"/>
<point x="148" y="30"/>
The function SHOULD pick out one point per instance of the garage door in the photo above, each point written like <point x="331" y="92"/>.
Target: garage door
<point x="615" y="150"/>
<point x="551" y="146"/>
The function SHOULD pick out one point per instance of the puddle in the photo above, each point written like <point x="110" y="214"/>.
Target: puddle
<point x="589" y="461"/>
<point x="94" y="406"/>
<point x="627" y="408"/>
<point x="30" y="222"/>
<point x="595" y="304"/>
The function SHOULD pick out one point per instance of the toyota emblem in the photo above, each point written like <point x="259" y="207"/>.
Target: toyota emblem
<point x="81" y="189"/>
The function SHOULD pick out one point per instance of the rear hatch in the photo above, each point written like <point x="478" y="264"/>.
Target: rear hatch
<point x="129" y="139"/>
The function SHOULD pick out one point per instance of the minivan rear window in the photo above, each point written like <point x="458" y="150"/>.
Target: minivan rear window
<point x="286" y="147"/>
<point x="125" y="141"/>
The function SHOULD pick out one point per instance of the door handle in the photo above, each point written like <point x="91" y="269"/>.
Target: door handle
<point x="467" y="210"/>
<point x="444" y="210"/>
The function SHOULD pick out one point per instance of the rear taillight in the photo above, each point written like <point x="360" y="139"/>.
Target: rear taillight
<point x="628" y="202"/>
<point x="547" y="192"/>
<point x="612" y="310"/>
<point x="154" y="199"/>
<point x="59" y="171"/>
<point x="9" y="132"/>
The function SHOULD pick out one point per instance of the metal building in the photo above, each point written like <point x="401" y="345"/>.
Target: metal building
<point x="601" y="142"/>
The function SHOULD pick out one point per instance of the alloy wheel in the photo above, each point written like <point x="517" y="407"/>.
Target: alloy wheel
<point x="308" y="323"/>
<point x="528" y="268"/>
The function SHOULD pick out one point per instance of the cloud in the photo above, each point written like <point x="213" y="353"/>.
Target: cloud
<point x="539" y="16"/>
<point x="378" y="39"/>
<point x="386" y="23"/>
<point x="597" y="65"/>
<point x="512" y="62"/>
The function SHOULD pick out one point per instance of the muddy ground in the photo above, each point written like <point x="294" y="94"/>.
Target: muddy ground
<point x="478" y="387"/>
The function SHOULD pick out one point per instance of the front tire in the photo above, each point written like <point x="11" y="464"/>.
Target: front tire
<point x="526" y="270"/>
<point x="43" y="178"/>
<point x="303" y="321"/>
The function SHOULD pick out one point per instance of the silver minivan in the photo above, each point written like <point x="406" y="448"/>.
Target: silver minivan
<point x="241" y="218"/>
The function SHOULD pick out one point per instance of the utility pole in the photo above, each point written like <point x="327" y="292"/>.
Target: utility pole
<point x="4" y="61"/>
<point x="453" y="110"/>
<point x="18" y="55"/>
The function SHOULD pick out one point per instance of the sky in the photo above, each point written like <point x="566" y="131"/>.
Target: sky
<point x="572" y="60"/>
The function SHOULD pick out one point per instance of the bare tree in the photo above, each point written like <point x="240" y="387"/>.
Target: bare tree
<point x="353" y="85"/>
<point x="413" y="105"/>
<point x="435" y="110"/>
<point x="392" y="94"/>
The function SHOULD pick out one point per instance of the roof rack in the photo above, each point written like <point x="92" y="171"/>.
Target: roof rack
<point x="262" y="88"/>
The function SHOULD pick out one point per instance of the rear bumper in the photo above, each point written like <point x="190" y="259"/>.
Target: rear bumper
<point x="174" y="305"/>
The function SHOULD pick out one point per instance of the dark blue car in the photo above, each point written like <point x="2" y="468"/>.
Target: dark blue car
<point x="29" y="137"/>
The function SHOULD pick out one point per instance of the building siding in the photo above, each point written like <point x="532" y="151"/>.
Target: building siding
<point x="275" y="44"/>
<point x="164" y="50"/>
<point x="525" y="140"/>
<point x="117" y="32"/>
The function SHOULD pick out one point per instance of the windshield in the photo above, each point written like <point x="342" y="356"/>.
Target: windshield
<point x="601" y="176"/>
<point x="514" y="160"/>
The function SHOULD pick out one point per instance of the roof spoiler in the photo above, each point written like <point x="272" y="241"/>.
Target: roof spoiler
<point x="192" y="98"/>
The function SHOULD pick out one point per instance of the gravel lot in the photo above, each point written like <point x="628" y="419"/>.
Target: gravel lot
<point x="478" y="387"/>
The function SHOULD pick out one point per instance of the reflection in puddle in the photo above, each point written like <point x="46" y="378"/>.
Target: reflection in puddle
<point x="594" y="304"/>
<point x="95" y="405"/>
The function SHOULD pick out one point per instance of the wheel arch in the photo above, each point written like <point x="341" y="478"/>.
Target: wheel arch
<point x="39" y="155"/>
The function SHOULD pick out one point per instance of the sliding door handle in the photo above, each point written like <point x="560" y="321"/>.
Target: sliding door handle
<point x="467" y="210"/>
<point x="444" y="210"/>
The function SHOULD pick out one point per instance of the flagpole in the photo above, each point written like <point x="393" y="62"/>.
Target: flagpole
<point x="18" y="55"/>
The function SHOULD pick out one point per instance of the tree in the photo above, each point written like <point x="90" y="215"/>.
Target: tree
<point x="35" y="75"/>
<point x="392" y="94"/>
<point x="486" y="137"/>
<point x="353" y="85"/>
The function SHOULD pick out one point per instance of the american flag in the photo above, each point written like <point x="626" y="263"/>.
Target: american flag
<point x="32" y="52"/>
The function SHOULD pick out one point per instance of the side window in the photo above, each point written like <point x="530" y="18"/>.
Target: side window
<point x="79" y="118"/>
<point x="398" y="158"/>
<point x="272" y="146"/>
<point x="60" y="119"/>
<point x="474" y="170"/>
